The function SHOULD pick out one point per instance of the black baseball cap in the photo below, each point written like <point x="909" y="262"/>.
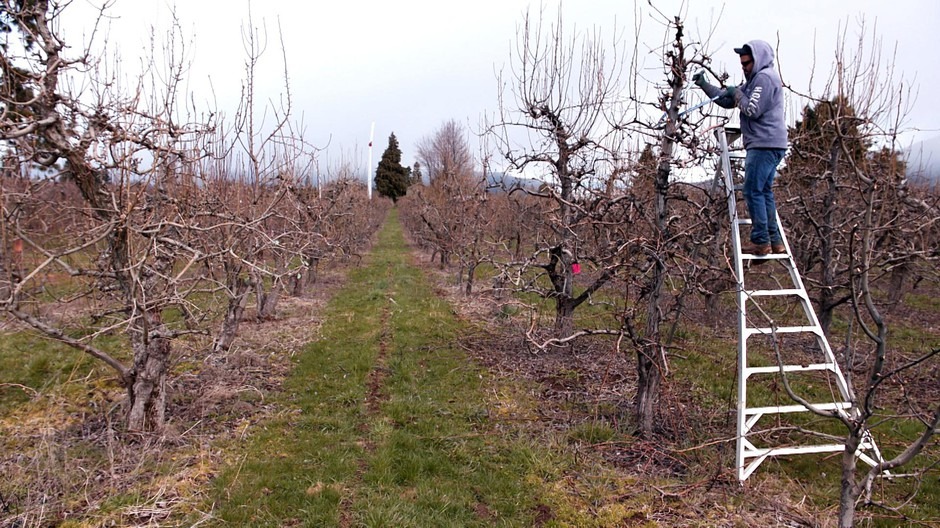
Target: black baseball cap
<point x="744" y="50"/>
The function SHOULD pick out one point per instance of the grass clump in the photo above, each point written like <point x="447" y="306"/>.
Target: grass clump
<point x="593" y="432"/>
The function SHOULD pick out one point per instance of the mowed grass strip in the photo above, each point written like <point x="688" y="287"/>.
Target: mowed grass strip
<point x="383" y="422"/>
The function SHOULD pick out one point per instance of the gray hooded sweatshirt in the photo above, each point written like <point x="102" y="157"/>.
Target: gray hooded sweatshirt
<point x="760" y="100"/>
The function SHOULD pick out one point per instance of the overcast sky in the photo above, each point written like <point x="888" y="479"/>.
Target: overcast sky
<point x="410" y="65"/>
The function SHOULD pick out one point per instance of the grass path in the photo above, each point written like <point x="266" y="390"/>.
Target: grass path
<point x="383" y="422"/>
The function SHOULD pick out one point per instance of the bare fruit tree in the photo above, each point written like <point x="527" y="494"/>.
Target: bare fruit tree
<point x="610" y="210"/>
<point x="247" y="187"/>
<point x="661" y="246"/>
<point x="560" y="128"/>
<point x="887" y="241"/>
<point x="667" y="224"/>
<point x="450" y="215"/>
<point x="102" y="155"/>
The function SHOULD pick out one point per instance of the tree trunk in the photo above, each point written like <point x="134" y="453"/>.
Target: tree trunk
<point x="146" y="388"/>
<point x="233" y="316"/>
<point x="267" y="305"/>
<point x="650" y="356"/>
<point x="827" y="243"/>
<point x="649" y="379"/>
<point x="146" y="381"/>
<point x="850" y="491"/>
<point x="267" y="299"/>
<point x="471" y="272"/>
<point x="564" y="317"/>
<point x="899" y="275"/>
<point x="827" y="295"/>
<point x="6" y="279"/>
<point x="719" y="226"/>
<point x="296" y="284"/>
<point x="559" y="271"/>
<point x="312" y="268"/>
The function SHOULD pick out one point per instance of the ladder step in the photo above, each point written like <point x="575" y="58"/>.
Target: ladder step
<point x="781" y="409"/>
<point x="789" y="368"/>
<point x="799" y="450"/>
<point x="753" y="450"/>
<point x="783" y="330"/>
<point x="796" y="450"/>
<point x="769" y="256"/>
<point x="769" y="293"/>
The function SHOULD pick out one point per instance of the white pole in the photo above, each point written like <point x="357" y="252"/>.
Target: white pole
<point x="369" y="168"/>
<point x="316" y="167"/>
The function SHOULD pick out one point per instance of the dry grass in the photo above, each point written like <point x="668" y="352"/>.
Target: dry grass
<point x="682" y="478"/>
<point x="64" y="464"/>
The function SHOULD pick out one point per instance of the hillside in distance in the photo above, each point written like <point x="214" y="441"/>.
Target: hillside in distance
<point x="505" y="182"/>
<point x="923" y="162"/>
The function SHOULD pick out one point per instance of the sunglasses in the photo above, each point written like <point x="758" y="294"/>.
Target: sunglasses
<point x="747" y="63"/>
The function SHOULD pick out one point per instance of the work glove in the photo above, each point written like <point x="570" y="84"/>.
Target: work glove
<point x="729" y="91"/>
<point x="699" y="79"/>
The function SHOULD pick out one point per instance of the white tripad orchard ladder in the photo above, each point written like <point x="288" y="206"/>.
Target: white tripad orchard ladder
<point x="777" y="321"/>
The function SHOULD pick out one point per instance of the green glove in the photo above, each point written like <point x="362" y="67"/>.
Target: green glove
<point x="729" y="91"/>
<point x="699" y="79"/>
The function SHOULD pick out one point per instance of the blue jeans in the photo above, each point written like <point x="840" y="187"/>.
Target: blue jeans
<point x="760" y="167"/>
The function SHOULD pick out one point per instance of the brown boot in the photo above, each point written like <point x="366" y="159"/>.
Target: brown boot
<point x="778" y="247"/>
<point x="758" y="250"/>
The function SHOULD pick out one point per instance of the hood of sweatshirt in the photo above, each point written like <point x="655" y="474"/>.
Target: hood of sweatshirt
<point x="763" y="56"/>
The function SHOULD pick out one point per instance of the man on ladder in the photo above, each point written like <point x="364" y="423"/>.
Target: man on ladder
<point x="761" y="335"/>
<point x="760" y="100"/>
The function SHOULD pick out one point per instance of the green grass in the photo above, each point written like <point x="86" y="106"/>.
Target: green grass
<point x="30" y="364"/>
<point x="593" y="432"/>
<point x="920" y="301"/>
<point x="385" y="422"/>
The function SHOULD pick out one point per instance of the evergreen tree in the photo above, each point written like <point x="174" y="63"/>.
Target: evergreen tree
<point x="391" y="179"/>
<point x="829" y="137"/>
<point x="819" y="194"/>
